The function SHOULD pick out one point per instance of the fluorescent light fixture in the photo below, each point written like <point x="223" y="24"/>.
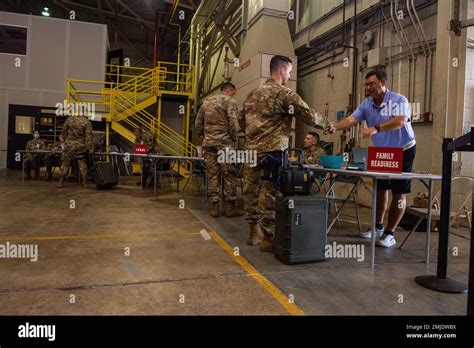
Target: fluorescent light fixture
<point x="45" y="12"/>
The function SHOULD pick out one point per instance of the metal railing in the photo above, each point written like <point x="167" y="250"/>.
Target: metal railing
<point x="167" y="138"/>
<point x="124" y="96"/>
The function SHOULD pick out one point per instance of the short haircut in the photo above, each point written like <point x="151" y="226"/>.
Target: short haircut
<point x="381" y="75"/>
<point x="227" y="85"/>
<point x="314" y="134"/>
<point x="278" y="61"/>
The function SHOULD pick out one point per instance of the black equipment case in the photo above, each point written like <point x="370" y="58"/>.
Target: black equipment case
<point x="103" y="174"/>
<point x="294" y="178"/>
<point x="300" y="229"/>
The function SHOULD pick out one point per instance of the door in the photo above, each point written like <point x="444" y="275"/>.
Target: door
<point x="114" y="59"/>
<point x="21" y="124"/>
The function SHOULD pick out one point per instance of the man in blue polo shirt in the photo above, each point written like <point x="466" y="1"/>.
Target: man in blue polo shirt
<point x="387" y="115"/>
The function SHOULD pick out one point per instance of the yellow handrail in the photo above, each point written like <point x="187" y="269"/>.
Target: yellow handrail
<point x="147" y="120"/>
<point x="125" y="100"/>
<point x="127" y="104"/>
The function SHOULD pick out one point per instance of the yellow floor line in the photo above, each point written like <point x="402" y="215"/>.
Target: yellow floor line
<point x="292" y="308"/>
<point x="135" y="236"/>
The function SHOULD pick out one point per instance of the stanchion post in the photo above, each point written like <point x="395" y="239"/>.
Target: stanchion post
<point x="470" y="295"/>
<point x="445" y="210"/>
<point x="440" y="282"/>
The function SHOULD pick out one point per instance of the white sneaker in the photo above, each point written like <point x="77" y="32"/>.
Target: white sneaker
<point x="368" y="234"/>
<point x="386" y="241"/>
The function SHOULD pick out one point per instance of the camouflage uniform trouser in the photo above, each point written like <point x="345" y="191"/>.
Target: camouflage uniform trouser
<point x="51" y="161"/>
<point x="32" y="162"/>
<point x="260" y="198"/>
<point x="214" y="169"/>
<point x="72" y="149"/>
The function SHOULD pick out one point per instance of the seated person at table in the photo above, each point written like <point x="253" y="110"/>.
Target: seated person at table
<point x="312" y="150"/>
<point x="144" y="137"/>
<point x="54" y="158"/>
<point x="33" y="161"/>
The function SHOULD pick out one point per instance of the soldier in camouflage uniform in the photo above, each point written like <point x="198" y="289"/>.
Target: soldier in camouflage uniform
<point x="266" y="117"/>
<point x="312" y="151"/>
<point x="77" y="135"/>
<point x="144" y="137"/>
<point x="54" y="157"/>
<point x="216" y="120"/>
<point x="33" y="161"/>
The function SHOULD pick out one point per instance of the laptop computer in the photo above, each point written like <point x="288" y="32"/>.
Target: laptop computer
<point x="359" y="159"/>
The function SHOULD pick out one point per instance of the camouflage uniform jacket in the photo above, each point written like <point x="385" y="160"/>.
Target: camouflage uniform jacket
<point x="56" y="146"/>
<point x="217" y="120"/>
<point x="78" y="130"/>
<point x="35" y="144"/>
<point x="266" y="116"/>
<point x="149" y="140"/>
<point x="312" y="157"/>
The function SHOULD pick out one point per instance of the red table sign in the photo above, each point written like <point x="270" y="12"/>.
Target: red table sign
<point x="141" y="149"/>
<point x="385" y="159"/>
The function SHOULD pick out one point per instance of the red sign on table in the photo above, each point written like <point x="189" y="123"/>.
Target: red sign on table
<point x="385" y="159"/>
<point x="141" y="149"/>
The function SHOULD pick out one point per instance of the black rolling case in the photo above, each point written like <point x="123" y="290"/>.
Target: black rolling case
<point x="103" y="174"/>
<point x="295" y="180"/>
<point x="300" y="229"/>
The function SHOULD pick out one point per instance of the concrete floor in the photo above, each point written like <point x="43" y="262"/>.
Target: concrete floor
<point x="172" y="269"/>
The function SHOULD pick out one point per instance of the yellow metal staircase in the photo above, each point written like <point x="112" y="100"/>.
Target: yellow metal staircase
<point x="123" y="105"/>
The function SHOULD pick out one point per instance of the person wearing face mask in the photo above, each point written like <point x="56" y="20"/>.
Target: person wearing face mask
<point x="54" y="158"/>
<point x="32" y="161"/>
<point x="266" y="118"/>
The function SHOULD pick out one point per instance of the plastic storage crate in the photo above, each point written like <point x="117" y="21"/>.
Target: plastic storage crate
<point x="300" y="229"/>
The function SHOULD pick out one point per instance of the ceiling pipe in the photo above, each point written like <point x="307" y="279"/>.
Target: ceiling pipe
<point x="165" y="30"/>
<point x="245" y="21"/>
<point x="415" y="27"/>
<point x="418" y="36"/>
<point x="412" y="65"/>
<point x="155" y="42"/>
<point x="403" y="41"/>
<point x="431" y="54"/>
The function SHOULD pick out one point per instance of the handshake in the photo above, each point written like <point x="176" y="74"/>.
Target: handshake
<point x="365" y="133"/>
<point x="331" y="129"/>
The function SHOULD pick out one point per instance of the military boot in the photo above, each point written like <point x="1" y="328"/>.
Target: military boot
<point x="215" y="209"/>
<point x="255" y="235"/>
<point x="267" y="243"/>
<point x="61" y="182"/>
<point x="231" y="210"/>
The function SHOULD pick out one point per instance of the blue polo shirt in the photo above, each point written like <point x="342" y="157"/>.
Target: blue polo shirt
<point x="393" y="104"/>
